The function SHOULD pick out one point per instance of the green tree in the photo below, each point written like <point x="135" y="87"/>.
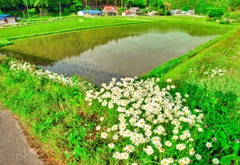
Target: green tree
<point x="216" y="12"/>
<point x="42" y="5"/>
<point x="76" y="5"/>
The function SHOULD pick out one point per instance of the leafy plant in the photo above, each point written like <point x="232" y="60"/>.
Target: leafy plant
<point x="216" y="12"/>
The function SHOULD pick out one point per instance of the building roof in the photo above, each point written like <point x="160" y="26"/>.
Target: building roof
<point x="135" y="8"/>
<point x="3" y="16"/>
<point x="109" y="9"/>
<point x="91" y="11"/>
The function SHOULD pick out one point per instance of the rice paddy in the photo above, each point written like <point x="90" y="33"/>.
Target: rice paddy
<point x="125" y="51"/>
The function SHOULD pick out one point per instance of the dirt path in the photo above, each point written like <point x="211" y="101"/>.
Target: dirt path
<point x="14" y="149"/>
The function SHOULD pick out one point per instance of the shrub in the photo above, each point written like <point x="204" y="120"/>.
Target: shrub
<point x="234" y="16"/>
<point x="167" y="12"/>
<point x="216" y="12"/>
<point x="160" y="12"/>
<point x="209" y="19"/>
<point x="121" y="10"/>
<point x="32" y="11"/>
<point x="224" y="21"/>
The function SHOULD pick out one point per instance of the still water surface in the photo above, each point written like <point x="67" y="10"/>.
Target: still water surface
<point x="124" y="51"/>
<point x="129" y="56"/>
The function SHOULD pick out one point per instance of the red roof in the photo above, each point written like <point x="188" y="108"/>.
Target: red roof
<point x="109" y="9"/>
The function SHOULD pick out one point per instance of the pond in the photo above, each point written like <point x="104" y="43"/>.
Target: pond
<point x="125" y="51"/>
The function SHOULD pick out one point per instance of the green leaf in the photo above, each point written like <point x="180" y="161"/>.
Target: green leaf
<point x="226" y="160"/>
<point x="236" y="148"/>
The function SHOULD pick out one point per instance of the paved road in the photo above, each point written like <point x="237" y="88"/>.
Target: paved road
<point x="14" y="149"/>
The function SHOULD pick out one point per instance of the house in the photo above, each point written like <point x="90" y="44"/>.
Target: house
<point x="132" y="12"/>
<point x="184" y="12"/>
<point x="7" y="19"/>
<point x="152" y="13"/>
<point x="126" y="13"/>
<point x="88" y="13"/>
<point x="175" y="11"/>
<point x="190" y="12"/>
<point x="109" y="10"/>
<point x="135" y="11"/>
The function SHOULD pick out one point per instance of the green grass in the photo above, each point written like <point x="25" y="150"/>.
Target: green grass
<point x="59" y="26"/>
<point x="222" y="55"/>
<point x="5" y="42"/>
<point x="78" y="23"/>
<point x="64" y="124"/>
<point x="218" y="97"/>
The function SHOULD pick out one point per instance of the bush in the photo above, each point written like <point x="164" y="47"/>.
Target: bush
<point x="167" y="12"/>
<point x="216" y="12"/>
<point x="32" y="11"/>
<point x="224" y="21"/>
<point x="121" y="10"/>
<point x="234" y="16"/>
<point x="144" y="10"/>
<point x="209" y="19"/>
<point x="160" y="12"/>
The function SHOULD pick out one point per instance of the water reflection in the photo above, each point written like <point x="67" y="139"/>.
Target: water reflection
<point x="128" y="57"/>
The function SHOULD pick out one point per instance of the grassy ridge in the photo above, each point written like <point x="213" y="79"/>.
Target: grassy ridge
<point x="59" y="26"/>
<point x="79" y="23"/>
<point x="5" y="42"/>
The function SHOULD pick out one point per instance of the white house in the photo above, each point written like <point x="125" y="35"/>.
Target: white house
<point x="89" y="13"/>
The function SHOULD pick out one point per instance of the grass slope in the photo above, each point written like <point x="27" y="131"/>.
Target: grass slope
<point x="218" y="97"/>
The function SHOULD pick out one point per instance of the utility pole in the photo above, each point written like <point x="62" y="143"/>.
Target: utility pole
<point x="60" y="12"/>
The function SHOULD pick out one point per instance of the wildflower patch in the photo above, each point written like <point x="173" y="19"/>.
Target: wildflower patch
<point x="215" y="72"/>
<point x="18" y="66"/>
<point x="151" y="122"/>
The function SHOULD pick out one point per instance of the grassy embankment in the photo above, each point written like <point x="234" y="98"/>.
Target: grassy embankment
<point x="64" y="124"/>
<point x="217" y="96"/>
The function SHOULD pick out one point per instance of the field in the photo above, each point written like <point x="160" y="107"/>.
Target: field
<point x="186" y="111"/>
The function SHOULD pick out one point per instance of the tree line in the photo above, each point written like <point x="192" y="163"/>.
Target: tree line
<point x="69" y="6"/>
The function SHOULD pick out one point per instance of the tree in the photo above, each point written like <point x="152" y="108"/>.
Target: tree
<point x="42" y="6"/>
<point x="76" y="6"/>
<point x="216" y="12"/>
<point x="167" y="6"/>
<point x="233" y="4"/>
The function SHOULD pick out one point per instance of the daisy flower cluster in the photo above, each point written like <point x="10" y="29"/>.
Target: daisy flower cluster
<point x="150" y="121"/>
<point x="215" y="72"/>
<point x="17" y="66"/>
